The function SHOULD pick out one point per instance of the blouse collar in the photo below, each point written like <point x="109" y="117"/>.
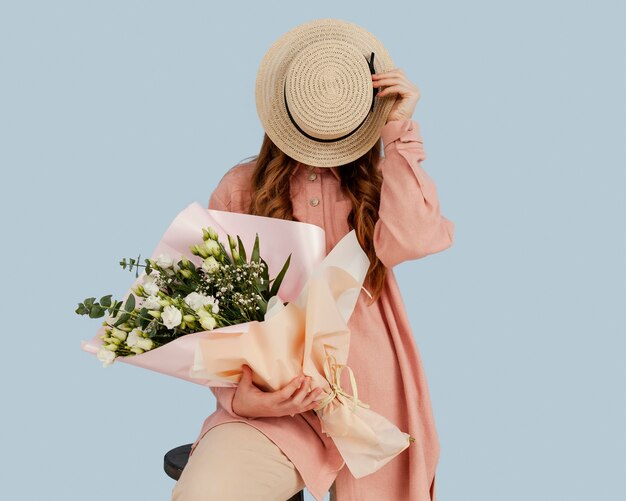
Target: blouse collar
<point x="299" y="166"/>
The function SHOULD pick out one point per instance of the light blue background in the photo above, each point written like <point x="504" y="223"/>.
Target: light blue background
<point x="116" y="115"/>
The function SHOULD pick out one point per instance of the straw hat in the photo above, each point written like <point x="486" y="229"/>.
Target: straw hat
<point x="314" y="92"/>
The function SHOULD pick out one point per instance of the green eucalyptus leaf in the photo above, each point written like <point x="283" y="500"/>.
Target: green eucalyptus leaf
<point x="123" y="318"/>
<point x="106" y="300"/>
<point x="130" y="303"/>
<point x="96" y="311"/>
<point x="116" y="308"/>
<point x="81" y="310"/>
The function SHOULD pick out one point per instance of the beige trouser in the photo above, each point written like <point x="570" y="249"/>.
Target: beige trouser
<point x="236" y="462"/>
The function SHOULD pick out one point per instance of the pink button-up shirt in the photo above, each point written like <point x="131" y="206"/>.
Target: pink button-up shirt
<point x="383" y="353"/>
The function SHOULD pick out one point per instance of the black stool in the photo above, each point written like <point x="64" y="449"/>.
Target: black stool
<point x="175" y="461"/>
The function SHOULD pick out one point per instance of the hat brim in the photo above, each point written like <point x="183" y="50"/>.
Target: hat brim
<point x="270" y="100"/>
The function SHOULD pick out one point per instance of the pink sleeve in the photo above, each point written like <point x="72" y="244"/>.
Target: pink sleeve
<point x="410" y="224"/>
<point x="220" y="200"/>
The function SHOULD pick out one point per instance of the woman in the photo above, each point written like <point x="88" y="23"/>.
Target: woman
<point x="272" y="441"/>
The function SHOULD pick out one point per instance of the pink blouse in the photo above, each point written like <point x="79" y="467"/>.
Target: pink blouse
<point x="383" y="353"/>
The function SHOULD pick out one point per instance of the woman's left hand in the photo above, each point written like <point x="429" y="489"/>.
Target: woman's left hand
<point x="396" y="82"/>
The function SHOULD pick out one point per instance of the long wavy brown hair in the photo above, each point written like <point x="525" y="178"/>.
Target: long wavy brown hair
<point x="360" y="181"/>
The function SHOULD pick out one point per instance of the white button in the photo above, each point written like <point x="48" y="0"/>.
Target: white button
<point x="312" y="176"/>
<point x="314" y="201"/>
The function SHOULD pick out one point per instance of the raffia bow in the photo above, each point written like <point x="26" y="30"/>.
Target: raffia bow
<point x="332" y="370"/>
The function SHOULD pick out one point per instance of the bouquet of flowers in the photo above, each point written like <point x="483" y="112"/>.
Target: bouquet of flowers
<point x="198" y="313"/>
<point x="178" y="298"/>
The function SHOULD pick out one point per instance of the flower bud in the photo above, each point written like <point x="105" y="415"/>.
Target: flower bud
<point x="207" y="320"/>
<point x="118" y="334"/>
<point x="136" y="350"/>
<point x="185" y="261"/>
<point x="212" y="247"/>
<point x="186" y="273"/>
<point x="111" y="347"/>
<point x="212" y="233"/>
<point x="155" y="313"/>
<point x="188" y="318"/>
<point x="205" y="234"/>
<point x="145" y="344"/>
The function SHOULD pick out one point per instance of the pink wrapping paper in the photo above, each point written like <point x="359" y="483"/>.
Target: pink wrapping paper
<point x="309" y="334"/>
<point x="277" y="239"/>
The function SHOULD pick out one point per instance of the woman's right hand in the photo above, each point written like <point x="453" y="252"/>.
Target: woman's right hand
<point x="293" y="398"/>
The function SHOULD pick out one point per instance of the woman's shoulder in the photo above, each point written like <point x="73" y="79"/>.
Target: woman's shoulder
<point x="238" y="177"/>
<point x="234" y="189"/>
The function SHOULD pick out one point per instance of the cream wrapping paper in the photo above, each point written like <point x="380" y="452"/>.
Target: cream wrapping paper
<point x="311" y="333"/>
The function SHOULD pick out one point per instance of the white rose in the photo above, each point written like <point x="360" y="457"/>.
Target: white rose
<point x="196" y="300"/>
<point x="151" y="303"/>
<point x="206" y="320"/>
<point x="133" y="336"/>
<point x="210" y="264"/>
<point x="171" y="316"/>
<point x="145" y="344"/>
<point x="151" y="288"/>
<point x="151" y="278"/>
<point x="164" y="261"/>
<point x="106" y="356"/>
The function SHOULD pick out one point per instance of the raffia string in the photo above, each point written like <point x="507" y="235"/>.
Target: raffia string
<point x="332" y="370"/>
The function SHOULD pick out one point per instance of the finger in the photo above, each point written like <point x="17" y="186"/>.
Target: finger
<point x="394" y="72"/>
<point x="394" y="89"/>
<point x="286" y="391"/>
<point x="300" y="394"/>
<point x="387" y="81"/>
<point x="313" y="405"/>
<point x="246" y="375"/>
<point x="313" y="395"/>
